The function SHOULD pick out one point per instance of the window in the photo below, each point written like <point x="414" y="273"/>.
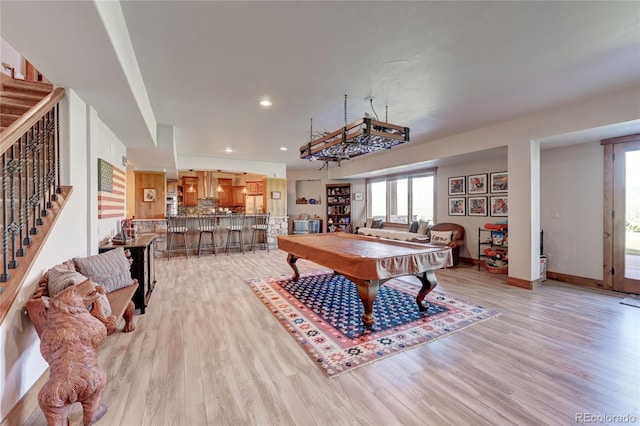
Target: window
<point x="422" y="195"/>
<point x="402" y="198"/>
<point x="377" y="199"/>
<point x="398" y="200"/>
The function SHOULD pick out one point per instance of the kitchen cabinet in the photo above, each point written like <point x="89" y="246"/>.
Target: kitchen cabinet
<point x="225" y="197"/>
<point x="190" y="190"/>
<point x="255" y="187"/>
<point x="237" y="196"/>
<point x="172" y="187"/>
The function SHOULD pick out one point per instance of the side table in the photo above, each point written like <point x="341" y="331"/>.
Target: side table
<point x="142" y="251"/>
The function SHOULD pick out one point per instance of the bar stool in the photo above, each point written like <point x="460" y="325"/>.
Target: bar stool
<point x="260" y="227"/>
<point x="236" y="226"/>
<point x="207" y="225"/>
<point x="177" y="226"/>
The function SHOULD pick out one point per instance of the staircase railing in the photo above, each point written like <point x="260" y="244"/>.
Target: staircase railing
<point x="29" y="186"/>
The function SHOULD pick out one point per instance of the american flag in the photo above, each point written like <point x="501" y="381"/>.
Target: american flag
<point x="111" y="190"/>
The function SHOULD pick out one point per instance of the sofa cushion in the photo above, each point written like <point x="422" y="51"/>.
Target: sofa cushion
<point x="109" y="269"/>
<point x="414" y="226"/>
<point x="440" y="237"/>
<point x="394" y="234"/>
<point x="423" y="225"/>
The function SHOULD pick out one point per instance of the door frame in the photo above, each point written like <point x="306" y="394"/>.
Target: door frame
<point x="613" y="229"/>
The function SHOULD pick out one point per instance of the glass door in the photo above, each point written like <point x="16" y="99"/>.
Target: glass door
<point x="626" y="217"/>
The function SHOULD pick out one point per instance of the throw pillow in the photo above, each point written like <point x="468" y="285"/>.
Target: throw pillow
<point x="440" y="237"/>
<point x="376" y="224"/>
<point x="368" y="223"/>
<point x="414" y="226"/>
<point x="59" y="278"/>
<point x="422" y="226"/>
<point x="109" y="269"/>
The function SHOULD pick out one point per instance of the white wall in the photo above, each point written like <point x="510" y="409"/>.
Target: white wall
<point x="9" y="55"/>
<point x="74" y="235"/>
<point x="571" y="187"/>
<point x="470" y="223"/>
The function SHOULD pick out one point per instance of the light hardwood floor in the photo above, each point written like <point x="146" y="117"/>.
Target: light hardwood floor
<point x="207" y="352"/>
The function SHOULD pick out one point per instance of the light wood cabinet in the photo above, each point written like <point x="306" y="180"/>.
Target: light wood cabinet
<point x="190" y="190"/>
<point x="237" y="196"/>
<point x="225" y="198"/>
<point x="255" y="188"/>
<point x="172" y="187"/>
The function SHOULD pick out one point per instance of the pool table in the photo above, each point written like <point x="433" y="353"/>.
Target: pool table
<point x="368" y="261"/>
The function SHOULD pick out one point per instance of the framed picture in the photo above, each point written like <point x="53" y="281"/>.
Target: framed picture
<point x="276" y="195"/>
<point x="357" y="196"/>
<point x="477" y="184"/>
<point x="477" y="206"/>
<point x="499" y="205"/>
<point x="457" y="206"/>
<point x="499" y="182"/>
<point x="456" y="185"/>
<point x="149" y="195"/>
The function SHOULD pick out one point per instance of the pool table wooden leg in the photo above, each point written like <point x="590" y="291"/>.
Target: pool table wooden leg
<point x="291" y="259"/>
<point x="368" y="291"/>
<point x="429" y="282"/>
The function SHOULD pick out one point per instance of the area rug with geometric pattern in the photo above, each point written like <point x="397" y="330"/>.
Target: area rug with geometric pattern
<point x="323" y="311"/>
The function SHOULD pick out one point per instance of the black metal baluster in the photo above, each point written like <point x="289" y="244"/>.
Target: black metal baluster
<point x="42" y="164"/>
<point x="22" y="205"/>
<point x="51" y="174"/>
<point x="34" y="199"/>
<point x="4" y="277"/>
<point x="49" y="162"/>
<point x="13" y="228"/>
<point x="56" y="109"/>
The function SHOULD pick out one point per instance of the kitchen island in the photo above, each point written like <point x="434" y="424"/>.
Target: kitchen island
<point x="278" y="225"/>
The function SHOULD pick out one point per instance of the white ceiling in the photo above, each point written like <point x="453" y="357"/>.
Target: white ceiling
<point x="441" y="67"/>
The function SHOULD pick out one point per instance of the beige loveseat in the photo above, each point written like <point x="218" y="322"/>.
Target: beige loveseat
<point x="398" y="231"/>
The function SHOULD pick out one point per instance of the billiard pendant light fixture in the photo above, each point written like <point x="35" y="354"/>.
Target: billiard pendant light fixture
<point x="363" y="136"/>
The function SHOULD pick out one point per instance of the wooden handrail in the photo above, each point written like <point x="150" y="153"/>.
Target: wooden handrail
<point x="12" y="133"/>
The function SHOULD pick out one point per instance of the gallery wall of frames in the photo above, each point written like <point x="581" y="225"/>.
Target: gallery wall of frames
<point x="483" y="194"/>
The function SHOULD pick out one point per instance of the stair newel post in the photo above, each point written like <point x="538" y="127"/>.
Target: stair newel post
<point x="33" y="197"/>
<point x="56" y="110"/>
<point x="22" y="207"/>
<point x="4" y="276"/>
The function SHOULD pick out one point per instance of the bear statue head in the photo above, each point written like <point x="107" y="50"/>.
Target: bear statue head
<point x="74" y="299"/>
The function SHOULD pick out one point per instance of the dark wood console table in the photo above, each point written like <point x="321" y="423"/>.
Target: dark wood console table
<point x="143" y="266"/>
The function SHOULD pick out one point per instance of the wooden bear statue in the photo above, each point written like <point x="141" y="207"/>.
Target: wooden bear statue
<point x="69" y="343"/>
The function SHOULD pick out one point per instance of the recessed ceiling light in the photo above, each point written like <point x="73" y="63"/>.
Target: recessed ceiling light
<point x="265" y="103"/>
<point x="283" y="148"/>
<point x="227" y="149"/>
